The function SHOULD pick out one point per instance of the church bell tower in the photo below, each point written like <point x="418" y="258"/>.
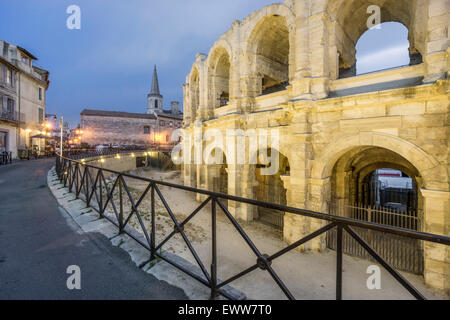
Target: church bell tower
<point x="154" y="98"/>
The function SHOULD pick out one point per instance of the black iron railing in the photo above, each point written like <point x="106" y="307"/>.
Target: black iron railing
<point x="89" y="182"/>
<point x="5" y="157"/>
<point x="11" y="116"/>
<point x="77" y="154"/>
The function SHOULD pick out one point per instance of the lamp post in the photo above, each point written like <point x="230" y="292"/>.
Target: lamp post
<point x="61" y="125"/>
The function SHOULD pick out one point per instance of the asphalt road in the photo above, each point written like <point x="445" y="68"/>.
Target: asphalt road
<point x="37" y="244"/>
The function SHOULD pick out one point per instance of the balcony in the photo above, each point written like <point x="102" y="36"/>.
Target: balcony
<point x="9" y="116"/>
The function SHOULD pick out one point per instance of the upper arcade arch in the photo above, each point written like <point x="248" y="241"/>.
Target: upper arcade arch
<point x="350" y="19"/>
<point x="194" y="92"/>
<point x="269" y="49"/>
<point x="219" y="74"/>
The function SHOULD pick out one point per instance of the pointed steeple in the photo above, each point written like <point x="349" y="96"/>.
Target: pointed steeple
<point x="154" y="98"/>
<point x="155" y="83"/>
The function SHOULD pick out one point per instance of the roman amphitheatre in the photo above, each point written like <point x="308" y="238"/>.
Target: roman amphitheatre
<point x="291" y="66"/>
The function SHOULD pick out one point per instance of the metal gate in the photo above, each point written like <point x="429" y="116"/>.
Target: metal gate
<point x="402" y="253"/>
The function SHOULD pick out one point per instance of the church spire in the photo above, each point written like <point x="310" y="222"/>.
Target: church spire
<point x="155" y="84"/>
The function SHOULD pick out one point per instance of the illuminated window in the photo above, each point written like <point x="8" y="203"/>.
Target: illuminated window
<point x="161" y="123"/>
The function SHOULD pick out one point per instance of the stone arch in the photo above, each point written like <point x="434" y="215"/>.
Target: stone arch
<point x="350" y="23"/>
<point x="270" y="49"/>
<point x="219" y="74"/>
<point x="270" y="186"/>
<point x="324" y="163"/>
<point x="194" y="91"/>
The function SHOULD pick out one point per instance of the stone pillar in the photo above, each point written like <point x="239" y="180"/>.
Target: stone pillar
<point x="437" y="50"/>
<point x="319" y="196"/>
<point x="300" y="64"/>
<point x="190" y="175"/>
<point x="241" y="182"/>
<point x="202" y="176"/>
<point x="318" y="49"/>
<point x="436" y="256"/>
<point x="295" y="226"/>
<point x="235" y="89"/>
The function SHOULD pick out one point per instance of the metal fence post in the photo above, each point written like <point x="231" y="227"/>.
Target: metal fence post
<point x="100" y="176"/>
<point x="213" y="250"/>
<point x="152" y="234"/>
<point x="121" y="205"/>
<point x="339" y="263"/>
<point x="86" y="176"/>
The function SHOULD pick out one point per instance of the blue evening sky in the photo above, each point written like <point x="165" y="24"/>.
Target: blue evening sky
<point x="108" y="64"/>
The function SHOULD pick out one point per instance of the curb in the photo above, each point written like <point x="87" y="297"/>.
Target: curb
<point x="89" y="220"/>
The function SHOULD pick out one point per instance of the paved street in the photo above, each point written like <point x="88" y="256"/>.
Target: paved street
<point x="38" y="243"/>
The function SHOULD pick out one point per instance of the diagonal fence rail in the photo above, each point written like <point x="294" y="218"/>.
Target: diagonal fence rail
<point x="89" y="181"/>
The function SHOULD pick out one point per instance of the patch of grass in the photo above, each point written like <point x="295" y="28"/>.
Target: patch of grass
<point x="120" y="242"/>
<point x="86" y="212"/>
<point x="156" y="260"/>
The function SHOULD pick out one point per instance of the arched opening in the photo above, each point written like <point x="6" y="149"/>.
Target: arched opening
<point x="378" y="185"/>
<point x="363" y="46"/>
<point x="220" y="77"/>
<point x="195" y="92"/>
<point x="374" y="53"/>
<point x="271" y="47"/>
<point x="270" y="188"/>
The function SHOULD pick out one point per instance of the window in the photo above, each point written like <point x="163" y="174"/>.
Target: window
<point x="167" y="138"/>
<point x="41" y="115"/>
<point x="8" y="77"/>
<point x="161" y="123"/>
<point x="156" y="104"/>
<point x="170" y="124"/>
<point x="40" y="94"/>
<point x="10" y="106"/>
<point x="26" y="60"/>
<point x="146" y="130"/>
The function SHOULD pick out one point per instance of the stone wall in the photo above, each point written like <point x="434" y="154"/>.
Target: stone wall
<point x="328" y="126"/>
<point x="116" y="130"/>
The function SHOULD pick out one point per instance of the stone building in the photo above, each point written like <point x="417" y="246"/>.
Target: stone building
<point x="290" y="67"/>
<point x="139" y="129"/>
<point x="23" y="89"/>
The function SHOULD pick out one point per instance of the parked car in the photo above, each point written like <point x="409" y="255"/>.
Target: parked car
<point x="101" y="147"/>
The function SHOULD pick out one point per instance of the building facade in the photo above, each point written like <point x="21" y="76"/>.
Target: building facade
<point x="23" y="89"/>
<point x="290" y="67"/>
<point x="153" y="128"/>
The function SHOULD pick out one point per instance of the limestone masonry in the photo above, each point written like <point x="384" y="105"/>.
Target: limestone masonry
<point x="290" y="66"/>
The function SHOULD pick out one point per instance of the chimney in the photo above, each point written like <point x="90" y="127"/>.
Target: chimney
<point x="175" y="106"/>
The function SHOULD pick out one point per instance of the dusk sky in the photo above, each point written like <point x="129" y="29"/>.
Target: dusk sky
<point x="108" y="64"/>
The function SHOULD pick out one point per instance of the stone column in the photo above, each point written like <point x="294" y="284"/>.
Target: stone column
<point x="241" y="182"/>
<point x="300" y="63"/>
<point x="437" y="50"/>
<point x="295" y="226"/>
<point x="319" y="53"/>
<point x="319" y="196"/>
<point x="436" y="256"/>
